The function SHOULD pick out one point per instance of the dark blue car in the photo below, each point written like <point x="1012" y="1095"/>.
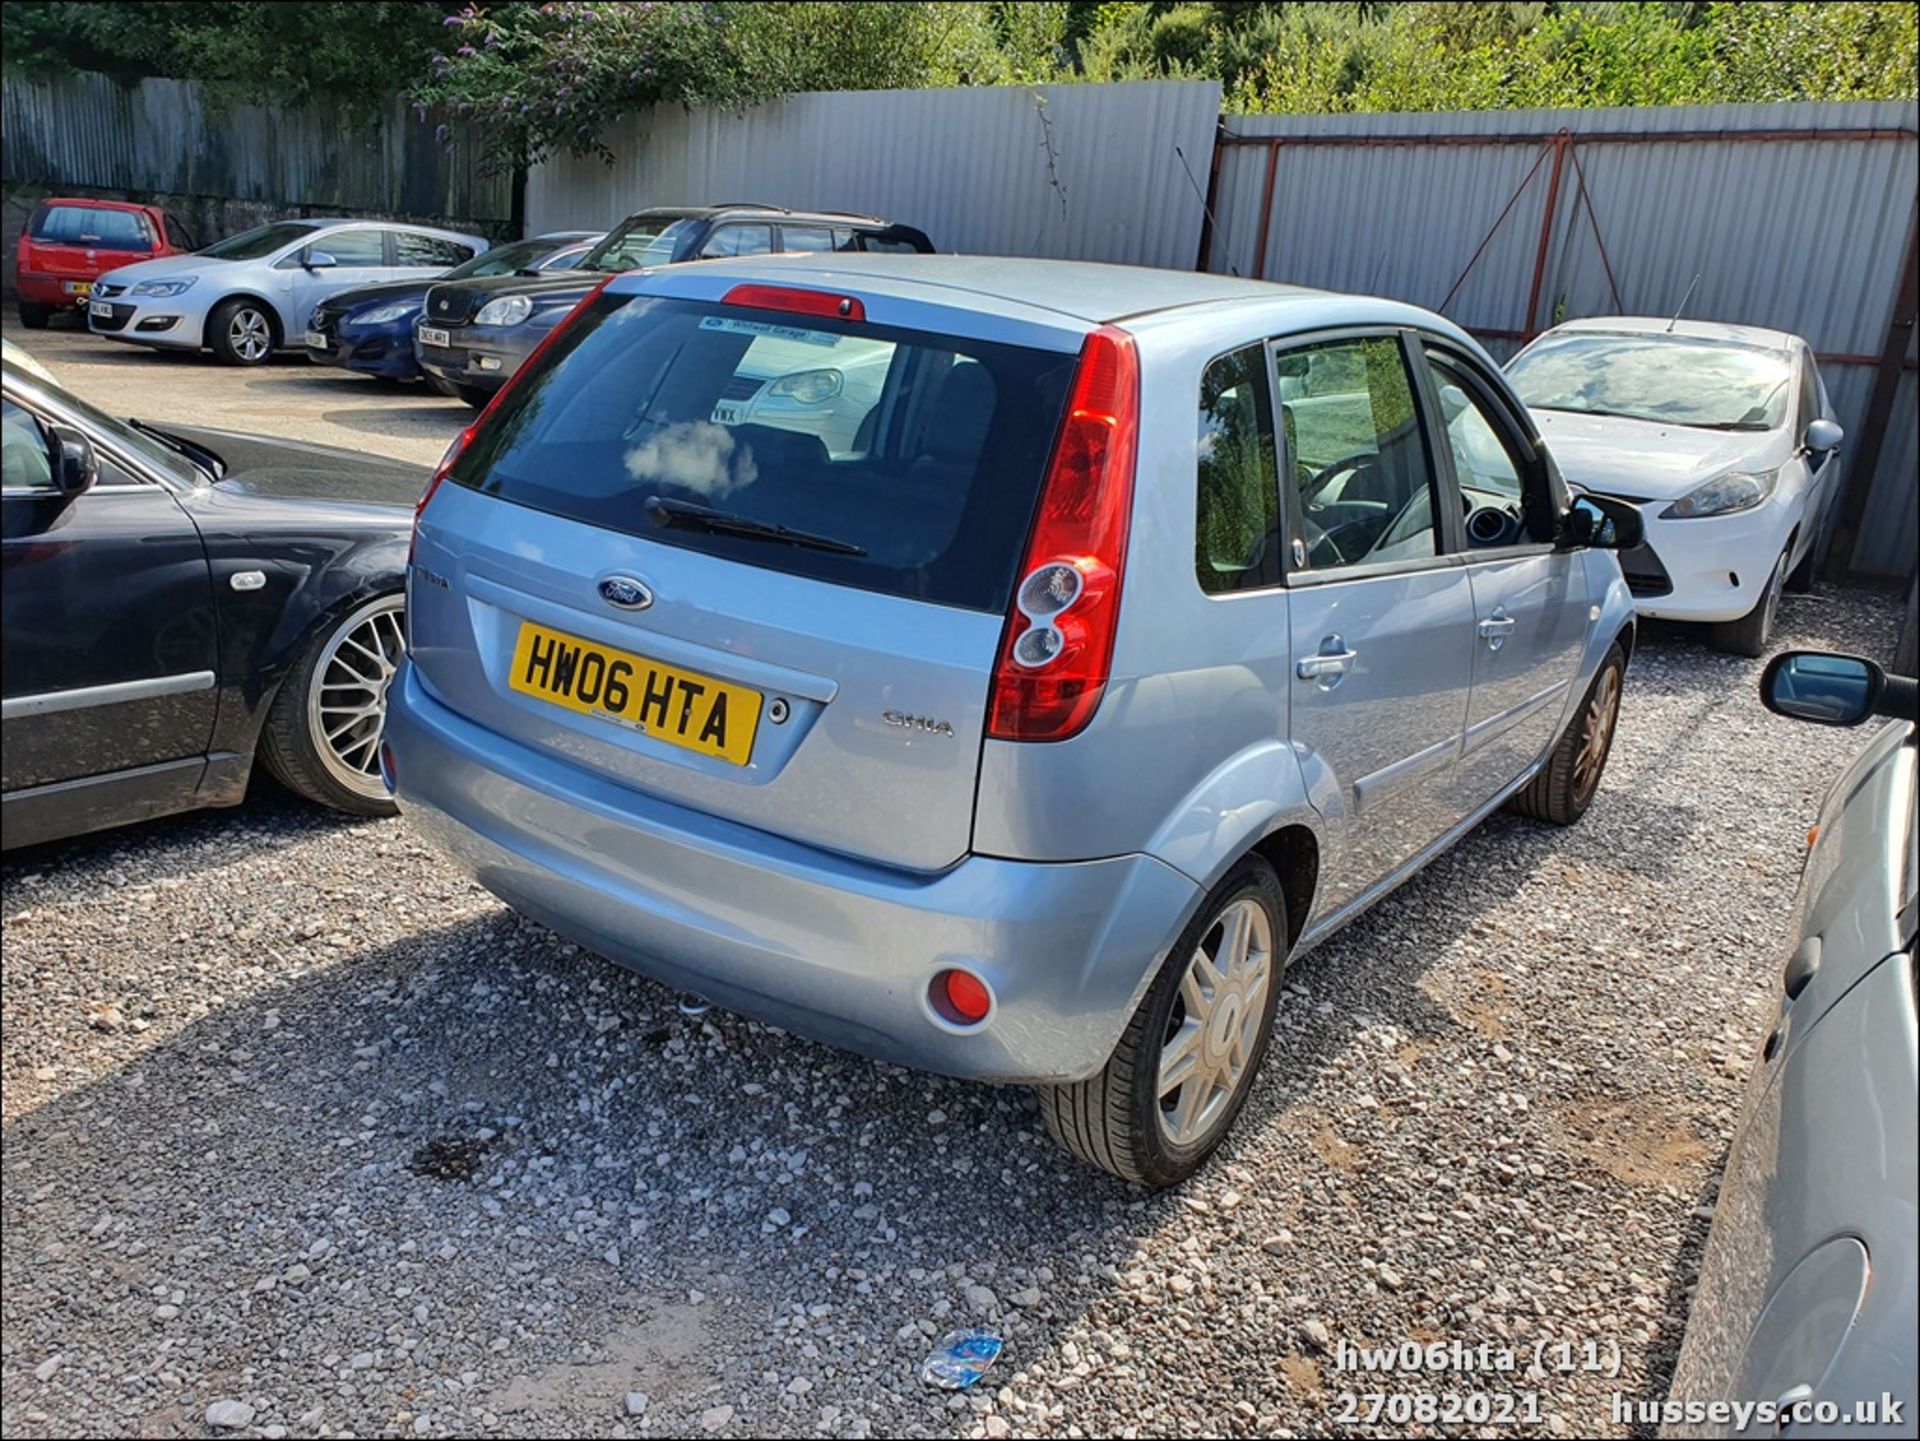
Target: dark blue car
<point x="371" y="329"/>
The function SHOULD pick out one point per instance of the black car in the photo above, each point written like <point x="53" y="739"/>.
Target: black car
<point x="475" y="333"/>
<point x="178" y="600"/>
<point x="371" y="329"/>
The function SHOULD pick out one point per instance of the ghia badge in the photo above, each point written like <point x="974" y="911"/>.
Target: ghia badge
<point x="917" y="723"/>
<point x="626" y="592"/>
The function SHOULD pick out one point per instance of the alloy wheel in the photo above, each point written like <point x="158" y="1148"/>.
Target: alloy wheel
<point x="347" y="699"/>
<point x="1214" y="1030"/>
<point x="249" y="335"/>
<point x="1596" y="734"/>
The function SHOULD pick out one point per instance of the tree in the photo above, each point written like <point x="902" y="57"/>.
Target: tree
<point x="361" y="53"/>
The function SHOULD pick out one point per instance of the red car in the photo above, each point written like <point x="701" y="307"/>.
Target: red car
<point x="67" y="243"/>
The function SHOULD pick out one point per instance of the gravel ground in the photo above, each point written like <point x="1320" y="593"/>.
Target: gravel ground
<point x="305" y="1133"/>
<point x="289" y="396"/>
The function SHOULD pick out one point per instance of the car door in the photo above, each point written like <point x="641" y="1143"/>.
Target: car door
<point x="108" y="620"/>
<point x="1380" y="616"/>
<point x="1823" y="466"/>
<point x="359" y="256"/>
<point x="1530" y="598"/>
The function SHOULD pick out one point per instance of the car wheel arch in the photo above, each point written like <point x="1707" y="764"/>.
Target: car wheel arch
<point x="276" y="322"/>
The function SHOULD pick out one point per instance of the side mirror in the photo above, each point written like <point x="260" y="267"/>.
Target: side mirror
<point x="318" y="260"/>
<point x="1602" y="523"/>
<point x="1453" y="400"/>
<point x="1823" y="436"/>
<point x="74" y="467"/>
<point x="1830" y="690"/>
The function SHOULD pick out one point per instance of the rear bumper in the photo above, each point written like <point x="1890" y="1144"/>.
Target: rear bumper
<point x="833" y="949"/>
<point x="39" y="289"/>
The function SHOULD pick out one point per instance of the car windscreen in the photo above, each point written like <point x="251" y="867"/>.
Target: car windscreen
<point x="260" y="241"/>
<point x="639" y="241"/>
<point x="1676" y="380"/>
<point x="91" y="226"/>
<point x="503" y="260"/>
<point x="921" y="452"/>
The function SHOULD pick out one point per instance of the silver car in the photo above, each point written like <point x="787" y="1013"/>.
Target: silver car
<point x="249" y="295"/>
<point x="1808" y="1308"/>
<point x="1146" y="628"/>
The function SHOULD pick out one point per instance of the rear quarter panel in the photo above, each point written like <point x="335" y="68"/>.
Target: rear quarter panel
<point x="1188" y="758"/>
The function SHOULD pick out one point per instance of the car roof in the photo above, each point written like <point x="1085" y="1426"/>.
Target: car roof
<point x="88" y="202"/>
<point x="1095" y="294"/>
<point x="1689" y="329"/>
<point x="564" y="236"/>
<point x="756" y="208"/>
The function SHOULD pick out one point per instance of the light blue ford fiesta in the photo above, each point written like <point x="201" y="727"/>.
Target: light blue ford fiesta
<point x="1138" y="630"/>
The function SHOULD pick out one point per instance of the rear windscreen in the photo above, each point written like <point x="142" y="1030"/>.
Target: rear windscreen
<point x="924" y="451"/>
<point x="84" y="225"/>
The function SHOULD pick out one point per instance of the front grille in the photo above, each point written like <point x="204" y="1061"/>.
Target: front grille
<point x="101" y="288"/>
<point x="742" y="387"/>
<point x="324" y="320"/>
<point x="449" y="305"/>
<point x="117" y="321"/>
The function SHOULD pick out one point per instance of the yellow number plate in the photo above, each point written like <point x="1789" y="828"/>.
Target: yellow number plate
<point x="680" y="707"/>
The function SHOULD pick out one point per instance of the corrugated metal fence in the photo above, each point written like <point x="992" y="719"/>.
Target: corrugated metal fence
<point x="163" y="136"/>
<point x="1087" y="172"/>
<point x="1795" y="217"/>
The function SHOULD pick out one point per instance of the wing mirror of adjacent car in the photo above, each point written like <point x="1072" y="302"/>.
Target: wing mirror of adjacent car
<point x="1823" y="436"/>
<point x="1453" y="401"/>
<point x="318" y="260"/>
<point x="1603" y="523"/>
<point x="1835" y="690"/>
<point x="74" y="467"/>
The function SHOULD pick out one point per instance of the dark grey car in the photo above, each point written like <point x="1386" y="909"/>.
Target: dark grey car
<point x="1805" y="1317"/>
<point x="475" y="334"/>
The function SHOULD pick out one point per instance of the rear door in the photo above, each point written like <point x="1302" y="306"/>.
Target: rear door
<point x="830" y="688"/>
<point x="1530" y="599"/>
<point x="1381" y="617"/>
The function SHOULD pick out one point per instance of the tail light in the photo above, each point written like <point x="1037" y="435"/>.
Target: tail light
<point x="1057" y="651"/>
<point x="465" y="437"/>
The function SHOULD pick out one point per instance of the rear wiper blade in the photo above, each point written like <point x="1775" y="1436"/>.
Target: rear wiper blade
<point x="686" y="515"/>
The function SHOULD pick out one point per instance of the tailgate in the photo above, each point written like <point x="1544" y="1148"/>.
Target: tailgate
<point x="750" y="564"/>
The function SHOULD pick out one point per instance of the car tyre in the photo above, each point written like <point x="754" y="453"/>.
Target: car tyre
<point x="322" y="736"/>
<point x="1749" y="635"/>
<point x="1568" y="782"/>
<point x="34" y="316"/>
<point x="242" y="332"/>
<point x="1187" y="1059"/>
<point x="1800" y="578"/>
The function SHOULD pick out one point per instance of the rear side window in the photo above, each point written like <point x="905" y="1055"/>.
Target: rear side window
<point x="412" y="248"/>
<point x="1237" y="520"/>
<point x="179" y="236"/>
<point x="97" y="229"/>
<point x="887" y="244"/>
<point x="924" y="451"/>
<point x="805" y="239"/>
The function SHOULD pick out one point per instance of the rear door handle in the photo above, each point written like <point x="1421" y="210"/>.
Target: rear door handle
<point x="1329" y="663"/>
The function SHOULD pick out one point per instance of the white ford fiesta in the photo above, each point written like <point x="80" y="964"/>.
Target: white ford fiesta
<point x="1721" y="435"/>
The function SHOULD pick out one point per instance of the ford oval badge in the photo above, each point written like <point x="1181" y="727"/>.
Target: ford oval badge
<point x="626" y="592"/>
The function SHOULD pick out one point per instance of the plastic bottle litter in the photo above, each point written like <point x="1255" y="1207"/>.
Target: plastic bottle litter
<point x="961" y="1358"/>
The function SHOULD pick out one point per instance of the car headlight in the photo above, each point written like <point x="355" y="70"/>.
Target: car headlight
<point x="809" y="387"/>
<point x="507" y="310"/>
<point x="387" y="314"/>
<point x="1723" y="495"/>
<point x="164" y="287"/>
